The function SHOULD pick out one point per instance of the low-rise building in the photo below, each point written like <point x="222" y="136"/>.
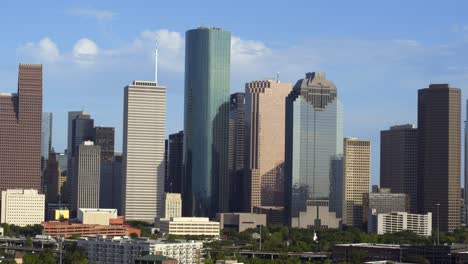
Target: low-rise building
<point x="155" y="259"/>
<point x="123" y="250"/>
<point x="193" y="226"/>
<point x="96" y="216"/>
<point x="22" y="207"/>
<point x="317" y="216"/>
<point x="420" y="224"/>
<point x="240" y="221"/>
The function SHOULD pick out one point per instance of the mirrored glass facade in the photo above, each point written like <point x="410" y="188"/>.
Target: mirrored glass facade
<point x="207" y="83"/>
<point x="314" y="136"/>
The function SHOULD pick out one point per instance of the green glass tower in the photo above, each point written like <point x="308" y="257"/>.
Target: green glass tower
<point x="206" y="121"/>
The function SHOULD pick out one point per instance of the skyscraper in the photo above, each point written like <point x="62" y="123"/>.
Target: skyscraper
<point x="20" y="131"/>
<point x="356" y="173"/>
<point x="81" y="129"/>
<point x="236" y="152"/>
<point x="143" y="150"/>
<point x="104" y="137"/>
<point x="265" y="108"/>
<point x="439" y="154"/>
<point x="206" y="121"/>
<point x="175" y="170"/>
<point x="314" y="136"/>
<point x="51" y="179"/>
<point x="466" y="164"/>
<point x="117" y="187"/>
<point x="87" y="176"/>
<point x="46" y="137"/>
<point x="399" y="161"/>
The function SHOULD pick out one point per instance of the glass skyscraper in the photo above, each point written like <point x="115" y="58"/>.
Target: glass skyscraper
<point x="314" y="136"/>
<point x="206" y="121"/>
<point x="46" y="138"/>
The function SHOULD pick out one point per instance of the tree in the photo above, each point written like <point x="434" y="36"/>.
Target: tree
<point x="45" y="257"/>
<point x="74" y="255"/>
<point x="29" y="243"/>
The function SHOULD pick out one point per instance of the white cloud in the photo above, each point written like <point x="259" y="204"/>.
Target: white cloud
<point x="100" y="15"/>
<point x="85" y="51"/>
<point x="407" y="42"/>
<point x="45" y="50"/>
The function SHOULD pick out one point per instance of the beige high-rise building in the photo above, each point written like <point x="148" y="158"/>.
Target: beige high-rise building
<point x="172" y="205"/>
<point x="143" y="150"/>
<point x="265" y="110"/>
<point x="22" y="207"/>
<point x="356" y="178"/>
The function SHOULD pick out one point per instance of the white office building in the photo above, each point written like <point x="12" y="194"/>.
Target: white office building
<point x="96" y="216"/>
<point x="172" y="205"/>
<point x="192" y="226"/>
<point x="143" y="150"/>
<point x="123" y="250"/>
<point x="420" y="224"/>
<point x="22" y="207"/>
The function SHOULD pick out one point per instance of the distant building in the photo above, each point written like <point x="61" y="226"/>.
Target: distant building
<point x="172" y="205"/>
<point x="206" y="121"/>
<point x="175" y="166"/>
<point x="439" y="153"/>
<point x="237" y="152"/>
<point x="96" y="216"/>
<point x="22" y="207"/>
<point x="117" y="187"/>
<point x="356" y="175"/>
<point x="399" y="161"/>
<point x="265" y="113"/>
<point x="67" y="229"/>
<point x="123" y="250"/>
<point x="143" y="150"/>
<point x="104" y="137"/>
<point x="87" y="173"/>
<point x="314" y="135"/>
<point x="20" y="129"/>
<point x="155" y="259"/>
<point x="46" y="138"/>
<point x="382" y="201"/>
<point x="240" y="221"/>
<point x="466" y="167"/>
<point x="317" y="216"/>
<point x="51" y="181"/>
<point x="193" y="226"/>
<point x="336" y="185"/>
<point x="399" y="221"/>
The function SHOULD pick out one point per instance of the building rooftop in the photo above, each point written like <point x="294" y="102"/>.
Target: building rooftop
<point x="154" y="258"/>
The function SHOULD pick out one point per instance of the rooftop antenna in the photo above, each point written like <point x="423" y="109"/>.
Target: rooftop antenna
<point x="156" y="63"/>
<point x="277" y="77"/>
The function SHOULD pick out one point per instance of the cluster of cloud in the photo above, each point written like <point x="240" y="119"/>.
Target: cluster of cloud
<point x="100" y="15"/>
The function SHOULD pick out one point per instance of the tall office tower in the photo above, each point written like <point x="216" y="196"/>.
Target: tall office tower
<point x="356" y="178"/>
<point x="172" y="205"/>
<point x="117" y="182"/>
<point x="439" y="154"/>
<point x="143" y="150"/>
<point x="336" y="185"/>
<point x="81" y="129"/>
<point x="104" y="137"/>
<point x="20" y="131"/>
<point x="236" y="155"/>
<point x="399" y="161"/>
<point x="175" y="160"/>
<point x="314" y="135"/>
<point x="52" y="176"/>
<point x="166" y="165"/>
<point x="265" y="109"/>
<point x="46" y="138"/>
<point x="206" y="121"/>
<point x="87" y="176"/>
<point x="466" y="166"/>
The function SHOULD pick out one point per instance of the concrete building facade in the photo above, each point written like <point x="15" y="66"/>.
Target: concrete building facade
<point x="241" y="221"/>
<point x="87" y="180"/>
<point x="172" y="205"/>
<point x="439" y="153"/>
<point x="96" y="216"/>
<point x="20" y="131"/>
<point x="420" y="224"/>
<point x="265" y="111"/>
<point x="206" y="121"/>
<point x="356" y="175"/>
<point x="192" y="226"/>
<point x="22" y="207"/>
<point x="143" y="150"/>
<point x="399" y="161"/>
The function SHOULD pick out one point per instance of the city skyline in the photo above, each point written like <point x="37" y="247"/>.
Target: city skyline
<point x="409" y="57"/>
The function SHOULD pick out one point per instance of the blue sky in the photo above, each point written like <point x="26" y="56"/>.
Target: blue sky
<point x="378" y="53"/>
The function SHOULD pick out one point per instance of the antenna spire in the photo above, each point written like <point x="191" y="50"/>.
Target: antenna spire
<point x="156" y="65"/>
<point x="277" y="77"/>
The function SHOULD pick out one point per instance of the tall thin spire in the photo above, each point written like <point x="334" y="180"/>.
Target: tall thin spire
<point x="156" y="65"/>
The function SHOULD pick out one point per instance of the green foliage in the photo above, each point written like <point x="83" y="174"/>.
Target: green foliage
<point x="75" y="236"/>
<point x="45" y="257"/>
<point x="417" y="259"/>
<point x="14" y="231"/>
<point x="133" y="235"/>
<point x="74" y="255"/>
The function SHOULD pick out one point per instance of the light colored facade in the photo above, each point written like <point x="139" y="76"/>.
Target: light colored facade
<point x="316" y="216"/>
<point x="87" y="172"/>
<point x="466" y="165"/>
<point x="96" y="216"/>
<point x="172" y="205"/>
<point x="356" y="175"/>
<point x="265" y="110"/>
<point x="193" y="226"/>
<point x="241" y="221"/>
<point x="143" y="150"/>
<point x="123" y="250"/>
<point x="420" y="224"/>
<point x="22" y="207"/>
